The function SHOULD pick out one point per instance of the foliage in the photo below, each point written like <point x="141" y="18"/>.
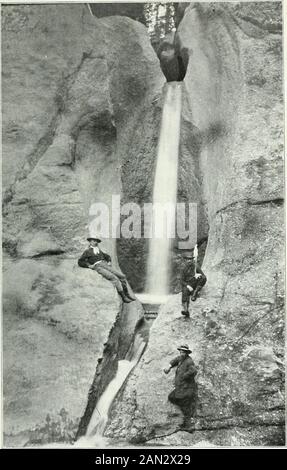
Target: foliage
<point x="159" y="18"/>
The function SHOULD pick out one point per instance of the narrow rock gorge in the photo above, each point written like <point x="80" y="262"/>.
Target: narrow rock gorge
<point x="82" y="103"/>
<point x="236" y="330"/>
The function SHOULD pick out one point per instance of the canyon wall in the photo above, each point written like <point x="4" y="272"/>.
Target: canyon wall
<point x="236" y="329"/>
<point x="82" y="101"/>
<point x="76" y="89"/>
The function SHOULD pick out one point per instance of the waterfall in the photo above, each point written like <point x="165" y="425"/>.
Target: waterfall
<point x="165" y="192"/>
<point x="94" y="435"/>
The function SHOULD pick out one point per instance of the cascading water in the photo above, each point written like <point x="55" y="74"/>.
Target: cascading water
<point x="165" y="192"/>
<point x="98" y="421"/>
<point x="157" y="287"/>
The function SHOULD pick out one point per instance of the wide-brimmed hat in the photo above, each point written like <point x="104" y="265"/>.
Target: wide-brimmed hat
<point x="185" y="348"/>
<point x="94" y="238"/>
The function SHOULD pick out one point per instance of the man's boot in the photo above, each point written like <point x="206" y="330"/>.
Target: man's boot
<point x="185" y="313"/>
<point x="126" y="291"/>
<point x="125" y="299"/>
<point x="187" y="425"/>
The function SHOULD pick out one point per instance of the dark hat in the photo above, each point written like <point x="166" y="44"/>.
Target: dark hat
<point x="93" y="238"/>
<point x="185" y="348"/>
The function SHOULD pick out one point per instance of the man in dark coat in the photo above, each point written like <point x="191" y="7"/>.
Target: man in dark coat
<point x="96" y="259"/>
<point x="192" y="281"/>
<point x="184" y="394"/>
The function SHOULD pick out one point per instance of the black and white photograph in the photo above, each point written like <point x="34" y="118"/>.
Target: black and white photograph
<point x="143" y="225"/>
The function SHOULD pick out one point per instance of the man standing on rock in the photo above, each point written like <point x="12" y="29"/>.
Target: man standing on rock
<point x="184" y="394"/>
<point x="192" y="281"/>
<point x="96" y="259"/>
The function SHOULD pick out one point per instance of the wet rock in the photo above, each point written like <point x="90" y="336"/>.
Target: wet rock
<point x="240" y="160"/>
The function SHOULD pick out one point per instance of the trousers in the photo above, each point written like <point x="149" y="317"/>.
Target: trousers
<point x="195" y="284"/>
<point x="187" y="404"/>
<point x="111" y="274"/>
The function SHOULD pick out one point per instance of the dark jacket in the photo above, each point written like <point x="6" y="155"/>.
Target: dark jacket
<point x="89" y="257"/>
<point x="187" y="275"/>
<point x="184" y="375"/>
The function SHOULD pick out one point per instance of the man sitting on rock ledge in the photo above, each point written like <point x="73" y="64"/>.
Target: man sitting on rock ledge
<point x="96" y="259"/>
<point x="192" y="281"/>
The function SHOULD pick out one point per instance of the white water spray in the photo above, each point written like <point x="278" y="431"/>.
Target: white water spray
<point x="94" y="435"/>
<point x="165" y="191"/>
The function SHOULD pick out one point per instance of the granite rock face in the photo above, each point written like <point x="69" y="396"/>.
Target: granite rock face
<point x="102" y="75"/>
<point x="75" y="91"/>
<point x="56" y="320"/>
<point x="81" y="115"/>
<point x="236" y="329"/>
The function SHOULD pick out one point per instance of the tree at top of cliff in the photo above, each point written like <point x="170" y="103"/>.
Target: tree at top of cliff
<point x="159" y="18"/>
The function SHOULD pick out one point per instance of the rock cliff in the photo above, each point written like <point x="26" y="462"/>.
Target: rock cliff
<point x="81" y="114"/>
<point x="233" y="83"/>
<point x="75" y="89"/>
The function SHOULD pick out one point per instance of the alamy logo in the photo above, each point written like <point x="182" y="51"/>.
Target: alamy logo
<point x="152" y="220"/>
